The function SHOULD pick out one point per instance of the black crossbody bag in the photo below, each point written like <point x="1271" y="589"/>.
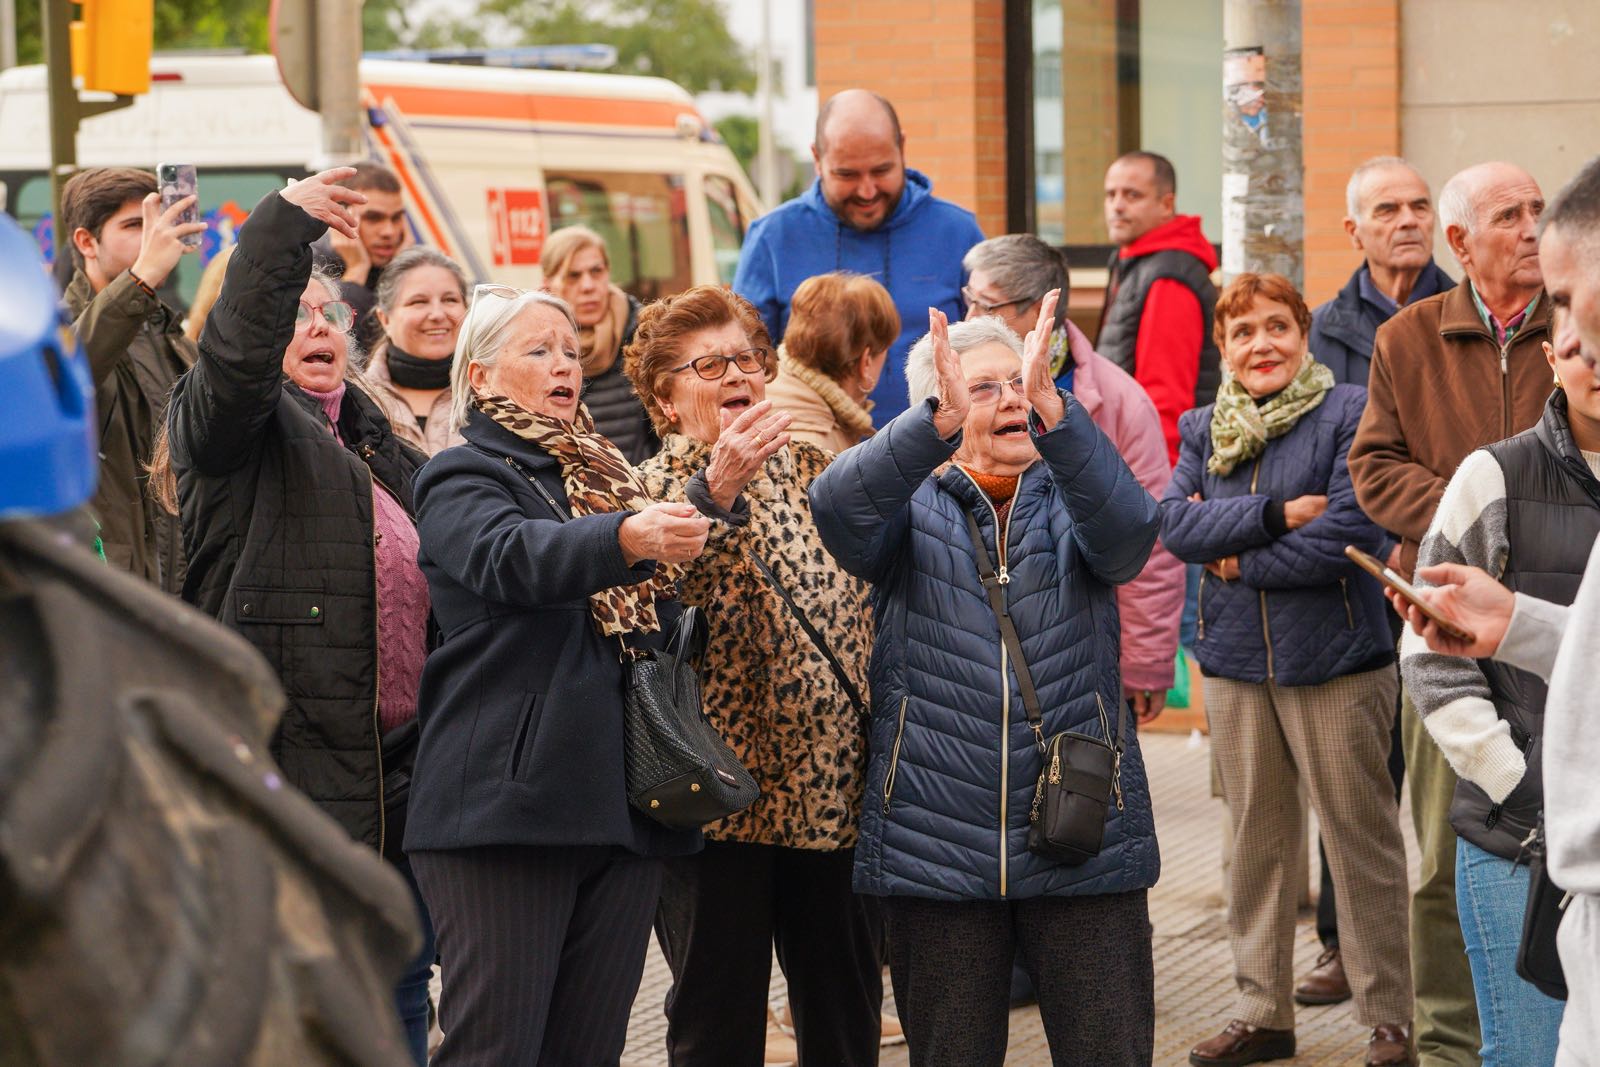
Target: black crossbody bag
<point x="850" y="691"/>
<point x="677" y="768"/>
<point x="1081" y="773"/>
<point x="1538" y="962"/>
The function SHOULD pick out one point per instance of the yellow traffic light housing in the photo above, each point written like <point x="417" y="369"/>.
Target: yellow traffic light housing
<point x="111" y="45"/>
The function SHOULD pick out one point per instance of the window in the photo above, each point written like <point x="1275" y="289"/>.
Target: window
<point x="643" y="219"/>
<point x="1111" y="76"/>
<point x="727" y="226"/>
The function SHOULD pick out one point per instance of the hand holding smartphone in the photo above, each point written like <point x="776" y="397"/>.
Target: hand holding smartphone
<point x="175" y="181"/>
<point x="1408" y="592"/>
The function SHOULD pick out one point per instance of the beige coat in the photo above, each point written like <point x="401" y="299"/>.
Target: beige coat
<point x="436" y="437"/>
<point x="823" y="415"/>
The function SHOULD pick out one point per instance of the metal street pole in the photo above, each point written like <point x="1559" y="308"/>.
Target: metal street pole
<point x="766" y="157"/>
<point x="338" y="57"/>
<point x="1262" y="172"/>
<point x="8" y="34"/>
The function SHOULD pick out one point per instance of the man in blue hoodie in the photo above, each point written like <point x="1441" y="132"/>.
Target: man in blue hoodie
<point x="867" y="213"/>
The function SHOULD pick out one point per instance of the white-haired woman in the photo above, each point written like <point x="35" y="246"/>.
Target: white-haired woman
<point x="544" y="555"/>
<point x="295" y="501"/>
<point x="990" y="440"/>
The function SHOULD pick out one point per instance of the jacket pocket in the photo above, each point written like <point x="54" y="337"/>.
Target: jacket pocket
<point x="278" y="607"/>
<point x="519" y="761"/>
<point x="894" y="756"/>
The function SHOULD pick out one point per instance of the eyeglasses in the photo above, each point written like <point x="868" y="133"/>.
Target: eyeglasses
<point x="504" y="292"/>
<point x="989" y="392"/>
<point x="715" y="366"/>
<point x="335" y="313"/>
<point x="986" y="308"/>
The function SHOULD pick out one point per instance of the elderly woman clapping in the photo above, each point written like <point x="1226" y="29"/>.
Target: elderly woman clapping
<point x="955" y="760"/>
<point x="1300" y="678"/>
<point x="545" y="556"/>
<point x="785" y="669"/>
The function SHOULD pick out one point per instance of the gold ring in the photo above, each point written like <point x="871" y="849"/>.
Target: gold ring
<point x="761" y="439"/>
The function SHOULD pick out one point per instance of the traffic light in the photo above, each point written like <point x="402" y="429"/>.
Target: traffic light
<point x="111" y="45"/>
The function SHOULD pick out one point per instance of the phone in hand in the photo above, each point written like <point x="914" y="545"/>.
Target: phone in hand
<point x="1373" y="566"/>
<point x="175" y="181"/>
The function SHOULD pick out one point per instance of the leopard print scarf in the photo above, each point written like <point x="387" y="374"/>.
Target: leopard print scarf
<point x="598" y="480"/>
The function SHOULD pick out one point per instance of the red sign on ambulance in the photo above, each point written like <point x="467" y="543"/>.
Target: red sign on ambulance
<point x="516" y="227"/>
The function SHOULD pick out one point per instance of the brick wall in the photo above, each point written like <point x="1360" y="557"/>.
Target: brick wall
<point x="942" y="64"/>
<point x="1350" y="112"/>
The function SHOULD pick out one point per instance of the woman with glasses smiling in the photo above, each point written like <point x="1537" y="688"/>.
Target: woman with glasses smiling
<point x="992" y="452"/>
<point x="295" y="500"/>
<point x="546" y="557"/>
<point x="784" y="682"/>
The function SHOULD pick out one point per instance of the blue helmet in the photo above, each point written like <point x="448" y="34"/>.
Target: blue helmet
<point x="48" y="459"/>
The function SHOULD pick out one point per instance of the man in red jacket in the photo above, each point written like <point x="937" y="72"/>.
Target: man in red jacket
<point x="1156" y="320"/>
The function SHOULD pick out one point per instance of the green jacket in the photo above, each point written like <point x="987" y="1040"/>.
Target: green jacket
<point x="136" y="352"/>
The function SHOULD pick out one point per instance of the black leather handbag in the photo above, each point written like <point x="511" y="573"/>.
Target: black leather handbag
<point x="1081" y="773"/>
<point x="679" y="770"/>
<point x="1537" y="959"/>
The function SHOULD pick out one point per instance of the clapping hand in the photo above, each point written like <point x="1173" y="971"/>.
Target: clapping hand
<point x="746" y="442"/>
<point x="954" y="398"/>
<point x="322" y="199"/>
<point x="1037" y="384"/>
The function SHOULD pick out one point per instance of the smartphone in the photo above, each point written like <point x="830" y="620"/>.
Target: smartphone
<point x="176" y="181"/>
<point x="1389" y="578"/>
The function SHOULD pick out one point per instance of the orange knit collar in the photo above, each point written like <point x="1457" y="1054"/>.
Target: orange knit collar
<point x="997" y="487"/>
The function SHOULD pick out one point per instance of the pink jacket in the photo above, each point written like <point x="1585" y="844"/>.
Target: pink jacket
<point x="1151" y="604"/>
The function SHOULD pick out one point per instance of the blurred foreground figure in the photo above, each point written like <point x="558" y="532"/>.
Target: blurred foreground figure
<point x="164" y="897"/>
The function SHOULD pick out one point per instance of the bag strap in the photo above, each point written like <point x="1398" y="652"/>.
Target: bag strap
<point x="993" y="584"/>
<point x="849" y="687"/>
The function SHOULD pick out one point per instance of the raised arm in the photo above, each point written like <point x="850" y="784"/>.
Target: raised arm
<point x="221" y="406"/>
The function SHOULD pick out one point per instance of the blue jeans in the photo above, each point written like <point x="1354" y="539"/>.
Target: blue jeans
<point x="411" y="994"/>
<point x="1520" y="1024"/>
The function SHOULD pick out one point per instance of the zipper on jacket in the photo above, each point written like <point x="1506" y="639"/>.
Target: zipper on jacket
<point x="1200" y="609"/>
<point x="1002" y="532"/>
<point x="1349" y="615"/>
<point x="373" y="482"/>
<point x="894" y="756"/>
<point x="1266" y="627"/>
<point x="1505" y="389"/>
<point x="1492" y="818"/>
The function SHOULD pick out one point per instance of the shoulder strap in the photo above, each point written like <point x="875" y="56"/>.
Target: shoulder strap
<point x="845" y="683"/>
<point x="992" y="583"/>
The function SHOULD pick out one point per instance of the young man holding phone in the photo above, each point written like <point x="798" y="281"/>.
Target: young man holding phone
<point x="123" y="246"/>
<point x="359" y="261"/>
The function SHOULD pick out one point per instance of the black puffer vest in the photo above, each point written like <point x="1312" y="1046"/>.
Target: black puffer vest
<point x="1552" y="519"/>
<point x="618" y="414"/>
<point x="1131" y="280"/>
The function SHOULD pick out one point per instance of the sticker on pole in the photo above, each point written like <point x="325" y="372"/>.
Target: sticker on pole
<point x="516" y="227"/>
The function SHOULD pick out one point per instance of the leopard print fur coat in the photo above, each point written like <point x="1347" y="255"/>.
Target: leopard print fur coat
<point x="768" y="690"/>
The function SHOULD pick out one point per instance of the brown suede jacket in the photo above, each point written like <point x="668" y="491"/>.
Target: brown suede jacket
<point x="1441" y="386"/>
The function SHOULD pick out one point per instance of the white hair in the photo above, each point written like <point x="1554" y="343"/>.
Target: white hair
<point x="922" y="378"/>
<point x="483" y="335"/>
<point x="1458" y="202"/>
<point x="1358" y="177"/>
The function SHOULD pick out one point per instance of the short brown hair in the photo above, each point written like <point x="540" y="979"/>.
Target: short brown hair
<point x="370" y="175"/>
<point x="1241" y="295"/>
<point x="833" y="317"/>
<point x="665" y="325"/>
<point x="93" y="196"/>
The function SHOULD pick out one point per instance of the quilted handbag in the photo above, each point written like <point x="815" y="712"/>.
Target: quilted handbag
<point x="680" y="772"/>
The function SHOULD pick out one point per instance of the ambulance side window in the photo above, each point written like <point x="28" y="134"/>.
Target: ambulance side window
<point x="643" y="218"/>
<point x="727" y="225"/>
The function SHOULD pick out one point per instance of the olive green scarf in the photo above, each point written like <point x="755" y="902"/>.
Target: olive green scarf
<point x="1240" y="428"/>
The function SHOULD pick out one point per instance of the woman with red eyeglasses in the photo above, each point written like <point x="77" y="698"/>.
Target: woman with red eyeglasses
<point x="295" y="501"/>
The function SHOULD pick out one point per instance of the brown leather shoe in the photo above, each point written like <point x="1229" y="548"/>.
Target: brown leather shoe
<point x="1390" y="1046"/>
<point x="1325" y="983"/>
<point x="1240" y="1043"/>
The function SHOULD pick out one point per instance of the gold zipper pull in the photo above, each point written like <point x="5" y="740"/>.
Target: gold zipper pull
<point x="1055" y="767"/>
<point x="1116" y="778"/>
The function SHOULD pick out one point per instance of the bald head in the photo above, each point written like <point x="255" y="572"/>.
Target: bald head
<point x="860" y="158"/>
<point x="1491" y="215"/>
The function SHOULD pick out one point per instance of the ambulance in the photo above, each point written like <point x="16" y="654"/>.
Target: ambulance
<point x="491" y="160"/>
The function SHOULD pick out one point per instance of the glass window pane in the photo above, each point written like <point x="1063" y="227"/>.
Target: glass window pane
<point x="641" y="216"/>
<point x="727" y="227"/>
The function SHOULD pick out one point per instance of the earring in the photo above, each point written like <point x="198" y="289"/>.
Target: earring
<point x="1559" y="384"/>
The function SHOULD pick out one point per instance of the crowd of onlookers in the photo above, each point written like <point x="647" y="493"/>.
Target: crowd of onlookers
<point x="939" y="537"/>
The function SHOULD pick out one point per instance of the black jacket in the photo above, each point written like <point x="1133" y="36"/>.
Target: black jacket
<point x="618" y="413"/>
<point x="521" y="703"/>
<point x="1343" y="329"/>
<point x="277" y="517"/>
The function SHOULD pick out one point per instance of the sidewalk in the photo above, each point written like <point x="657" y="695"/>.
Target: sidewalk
<point x="1194" y="969"/>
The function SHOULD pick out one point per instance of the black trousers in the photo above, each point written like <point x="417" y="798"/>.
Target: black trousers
<point x="721" y="913"/>
<point x="542" y="950"/>
<point x="1090" y="959"/>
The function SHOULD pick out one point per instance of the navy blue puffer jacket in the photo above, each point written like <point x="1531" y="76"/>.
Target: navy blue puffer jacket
<point x="953" y="762"/>
<point x="1300" y="612"/>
